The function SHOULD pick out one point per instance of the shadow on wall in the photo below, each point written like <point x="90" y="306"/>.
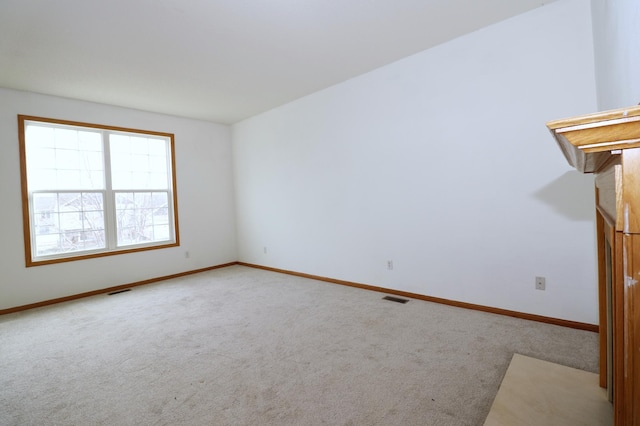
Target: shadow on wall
<point x="571" y="195"/>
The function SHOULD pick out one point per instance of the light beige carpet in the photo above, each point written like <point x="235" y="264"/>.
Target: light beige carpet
<point x="541" y="393"/>
<point x="242" y="346"/>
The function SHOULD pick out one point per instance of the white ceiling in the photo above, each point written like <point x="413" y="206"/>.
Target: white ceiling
<point x="220" y="60"/>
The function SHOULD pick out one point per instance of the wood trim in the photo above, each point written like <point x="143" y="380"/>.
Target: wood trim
<point x="618" y="327"/>
<point x="622" y="144"/>
<point x="608" y="181"/>
<point x="615" y="114"/>
<point x="97" y="255"/>
<point x="631" y="243"/>
<point x="603" y="136"/>
<point x="602" y="292"/>
<point x="506" y="312"/>
<point x="587" y="141"/>
<point x="111" y="289"/>
<point x="515" y="314"/>
<point x="630" y="189"/>
<point x="92" y="125"/>
<point x="614" y="159"/>
<point x="24" y="192"/>
<point x="610" y="221"/>
<point x="26" y="223"/>
<point x="577" y="158"/>
<point x="174" y="192"/>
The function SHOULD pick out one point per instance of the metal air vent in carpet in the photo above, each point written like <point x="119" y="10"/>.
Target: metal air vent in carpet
<point x="395" y="299"/>
<point x="118" y="292"/>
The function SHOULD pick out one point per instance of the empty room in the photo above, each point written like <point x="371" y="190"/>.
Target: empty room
<point x="319" y="212"/>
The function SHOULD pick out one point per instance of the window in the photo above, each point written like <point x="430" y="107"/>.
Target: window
<point x="91" y="190"/>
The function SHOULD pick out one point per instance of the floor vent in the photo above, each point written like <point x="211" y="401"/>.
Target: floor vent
<point x="118" y="291"/>
<point x="395" y="299"/>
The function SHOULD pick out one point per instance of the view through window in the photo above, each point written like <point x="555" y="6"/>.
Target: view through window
<point x="91" y="190"/>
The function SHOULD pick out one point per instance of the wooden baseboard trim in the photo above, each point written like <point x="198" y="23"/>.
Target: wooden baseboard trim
<point x="111" y="289"/>
<point x="515" y="314"/>
<point x="506" y="312"/>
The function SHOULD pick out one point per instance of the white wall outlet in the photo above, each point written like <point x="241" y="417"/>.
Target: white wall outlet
<point x="541" y="283"/>
<point x="264" y="249"/>
<point x="389" y="264"/>
<point x="187" y="254"/>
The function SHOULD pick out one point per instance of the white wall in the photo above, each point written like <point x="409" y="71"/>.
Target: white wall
<point x="616" y="30"/>
<point x="440" y="162"/>
<point x="205" y="203"/>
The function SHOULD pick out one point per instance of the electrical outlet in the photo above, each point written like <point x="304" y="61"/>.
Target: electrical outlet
<point x="541" y="283"/>
<point x="264" y="249"/>
<point x="187" y="254"/>
<point x="389" y="264"/>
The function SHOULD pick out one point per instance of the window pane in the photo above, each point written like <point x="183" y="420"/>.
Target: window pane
<point x="142" y="217"/>
<point x="93" y="221"/>
<point x="161" y="232"/>
<point x="67" y="159"/>
<point x="69" y="200"/>
<point x="138" y="145"/>
<point x="68" y="179"/>
<point x="91" y="180"/>
<point x="141" y="162"/>
<point x="45" y="213"/>
<point x="160" y="199"/>
<point x="43" y="179"/>
<point x="90" y="141"/>
<point x="161" y="216"/>
<point x="45" y="203"/>
<point x="158" y="163"/>
<point x="138" y="162"/>
<point x="42" y="158"/>
<point x="158" y="147"/>
<point x="142" y="199"/>
<point x="93" y="239"/>
<point x="39" y="136"/>
<point x="92" y="201"/>
<point x="47" y="244"/>
<point x="66" y="139"/>
<point x="68" y="221"/>
<point x="63" y="158"/>
<point x="139" y="180"/>
<point x="92" y="160"/>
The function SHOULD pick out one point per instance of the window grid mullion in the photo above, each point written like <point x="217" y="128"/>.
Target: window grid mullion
<point x="110" y="202"/>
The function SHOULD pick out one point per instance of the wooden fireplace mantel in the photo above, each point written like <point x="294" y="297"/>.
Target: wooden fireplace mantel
<point x="587" y="141"/>
<point x="608" y="144"/>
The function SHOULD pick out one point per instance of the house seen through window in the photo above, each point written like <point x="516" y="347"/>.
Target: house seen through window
<point x="91" y="190"/>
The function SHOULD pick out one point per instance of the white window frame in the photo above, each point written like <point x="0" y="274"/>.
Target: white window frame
<point x="108" y="194"/>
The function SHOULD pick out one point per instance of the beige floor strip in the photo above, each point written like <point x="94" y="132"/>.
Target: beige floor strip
<point x="541" y="393"/>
